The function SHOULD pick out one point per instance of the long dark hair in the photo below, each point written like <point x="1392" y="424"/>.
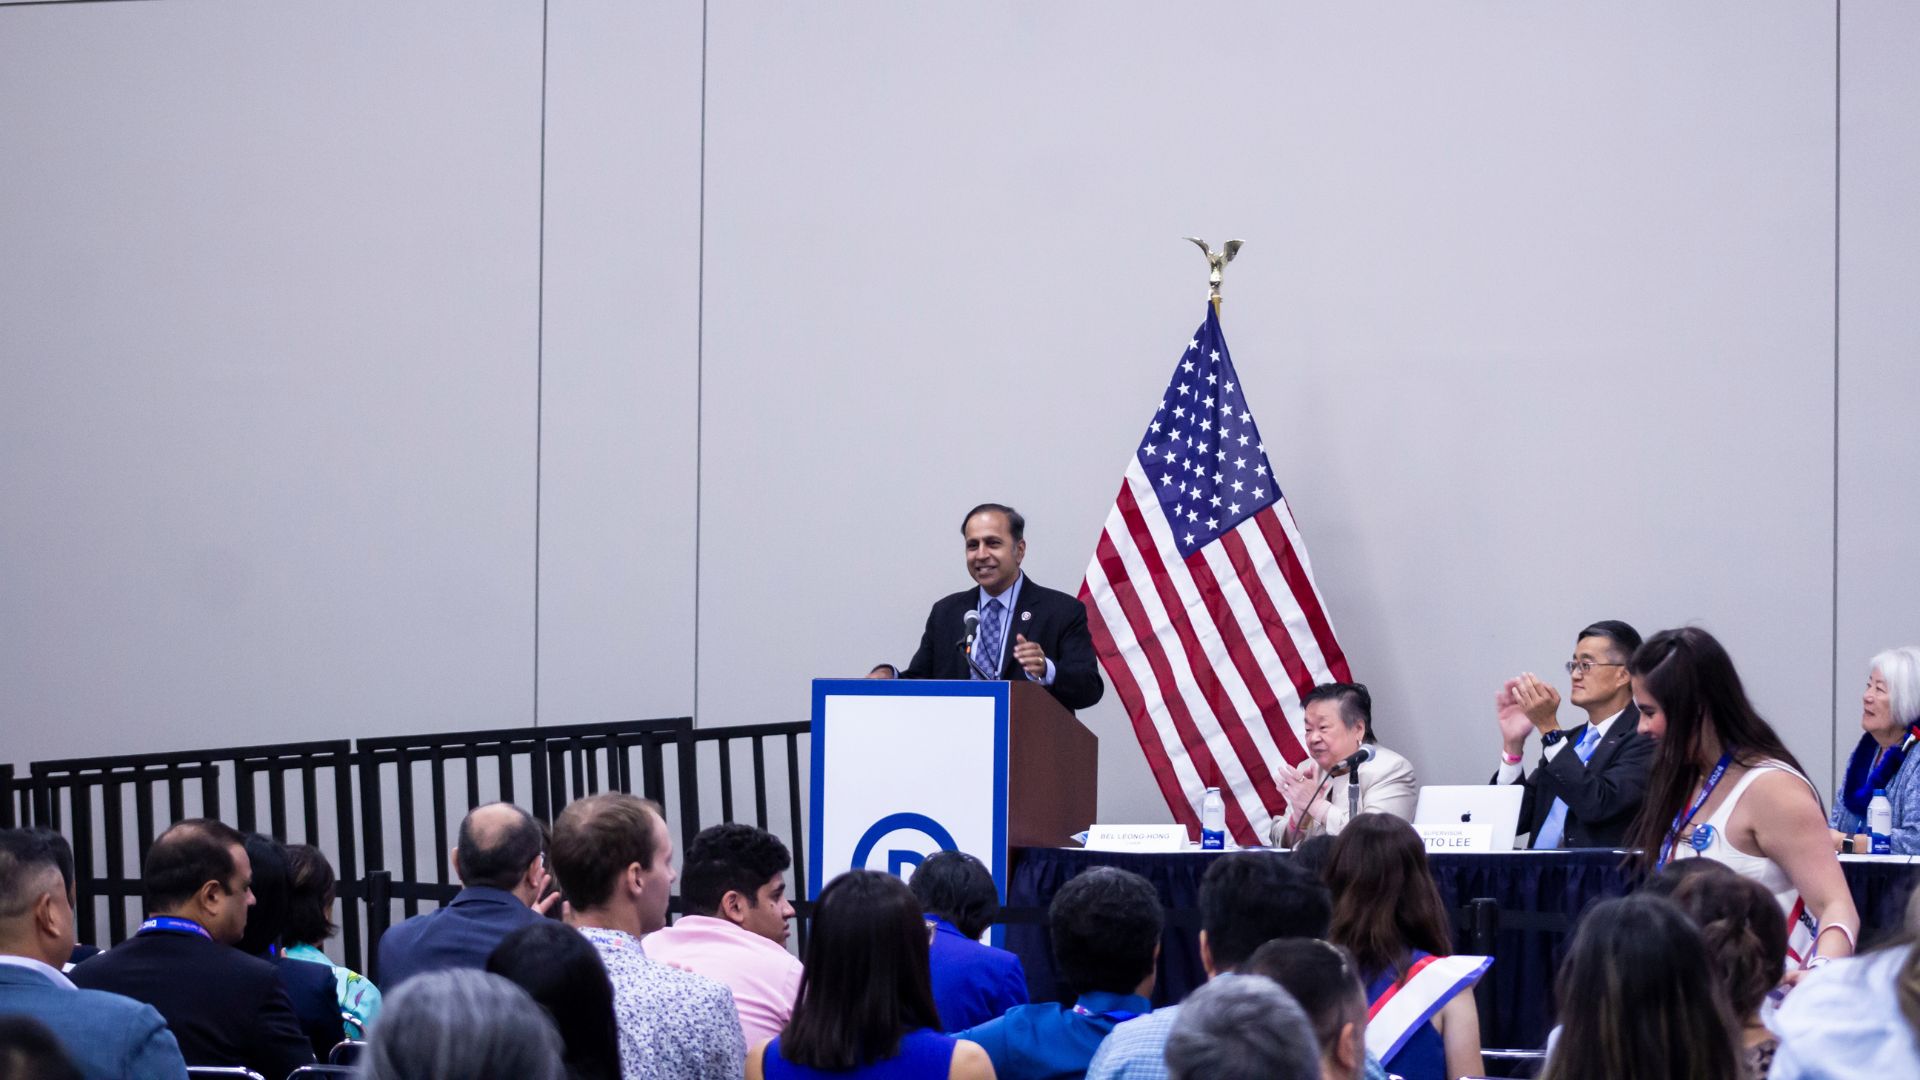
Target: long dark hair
<point x="1739" y="925"/>
<point x="1689" y="675"/>
<point x="866" y="981"/>
<point x="560" y="969"/>
<point x="1637" y="998"/>
<point x="1385" y="903"/>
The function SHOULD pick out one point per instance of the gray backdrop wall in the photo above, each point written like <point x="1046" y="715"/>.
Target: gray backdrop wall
<point x="372" y="368"/>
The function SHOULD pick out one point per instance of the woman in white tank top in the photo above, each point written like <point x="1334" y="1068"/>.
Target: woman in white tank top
<point x="1724" y="787"/>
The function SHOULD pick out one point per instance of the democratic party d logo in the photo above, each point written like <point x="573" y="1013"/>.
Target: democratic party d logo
<point x="922" y="837"/>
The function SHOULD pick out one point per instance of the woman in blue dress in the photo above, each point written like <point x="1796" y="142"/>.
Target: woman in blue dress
<point x="866" y="1003"/>
<point x="1890" y="725"/>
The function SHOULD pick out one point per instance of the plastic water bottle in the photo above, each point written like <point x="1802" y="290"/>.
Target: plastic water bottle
<point x="1880" y="822"/>
<point x="1213" y="821"/>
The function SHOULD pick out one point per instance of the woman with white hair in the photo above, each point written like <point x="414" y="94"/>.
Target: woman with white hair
<point x="1890" y="718"/>
<point x="462" y="1025"/>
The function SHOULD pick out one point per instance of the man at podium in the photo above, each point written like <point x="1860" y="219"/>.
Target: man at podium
<point x="1008" y="626"/>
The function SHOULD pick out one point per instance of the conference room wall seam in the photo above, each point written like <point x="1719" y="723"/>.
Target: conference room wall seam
<point x="1833" y="635"/>
<point x="699" y="362"/>
<point x="539" y="358"/>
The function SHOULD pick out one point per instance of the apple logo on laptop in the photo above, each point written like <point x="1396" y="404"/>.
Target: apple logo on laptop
<point x="1468" y="816"/>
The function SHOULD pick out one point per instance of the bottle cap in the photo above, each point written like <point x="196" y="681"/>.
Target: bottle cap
<point x="1879" y="791"/>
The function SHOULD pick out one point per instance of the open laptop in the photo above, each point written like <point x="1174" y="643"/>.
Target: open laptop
<point x="1497" y="805"/>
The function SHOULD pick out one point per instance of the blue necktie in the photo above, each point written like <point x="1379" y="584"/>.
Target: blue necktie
<point x="1553" y="830"/>
<point x="986" y="650"/>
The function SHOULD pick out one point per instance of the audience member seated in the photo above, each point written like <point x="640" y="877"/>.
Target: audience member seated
<point x="223" y="1006"/>
<point x="310" y="888"/>
<point x="1242" y="1027"/>
<point x="1322" y="980"/>
<point x="1247" y="898"/>
<point x="1858" y="1017"/>
<point x="1724" y="787"/>
<point x="502" y="872"/>
<point x="1890" y="719"/>
<point x="866" y="1007"/>
<point x="1106" y="937"/>
<point x="1637" y="997"/>
<point x="613" y="856"/>
<point x="1388" y="914"/>
<point x="734" y="892"/>
<point x="1746" y="944"/>
<point x="972" y="982"/>
<point x="309" y="987"/>
<point x="462" y="1025"/>
<point x="29" y="1051"/>
<point x="562" y="971"/>
<point x="107" y="1036"/>
<point x="63" y="851"/>
<point x="1591" y="779"/>
<point x="1339" y="724"/>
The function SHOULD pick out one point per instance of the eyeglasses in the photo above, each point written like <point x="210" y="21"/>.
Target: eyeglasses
<point x="1584" y="666"/>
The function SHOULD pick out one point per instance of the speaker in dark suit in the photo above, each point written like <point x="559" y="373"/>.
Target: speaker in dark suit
<point x="1592" y="778"/>
<point x="1025" y="630"/>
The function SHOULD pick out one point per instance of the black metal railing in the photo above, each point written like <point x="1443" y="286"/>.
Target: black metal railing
<point x="788" y="746"/>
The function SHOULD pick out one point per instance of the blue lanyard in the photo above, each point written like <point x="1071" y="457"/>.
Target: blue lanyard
<point x="178" y="926"/>
<point x="1680" y="819"/>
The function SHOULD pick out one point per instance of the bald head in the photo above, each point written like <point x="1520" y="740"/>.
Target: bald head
<point x="499" y="843"/>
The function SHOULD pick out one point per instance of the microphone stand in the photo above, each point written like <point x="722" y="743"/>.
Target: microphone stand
<point x="1353" y="791"/>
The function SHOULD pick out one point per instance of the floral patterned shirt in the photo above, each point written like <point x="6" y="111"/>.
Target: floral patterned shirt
<point x="674" y="1025"/>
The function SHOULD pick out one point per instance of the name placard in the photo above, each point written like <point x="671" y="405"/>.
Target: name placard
<point x="1462" y="837"/>
<point x="1149" y="838"/>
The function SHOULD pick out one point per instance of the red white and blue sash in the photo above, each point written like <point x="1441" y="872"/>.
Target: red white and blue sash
<point x="1416" y="999"/>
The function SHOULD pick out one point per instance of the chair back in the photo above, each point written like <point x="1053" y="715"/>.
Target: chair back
<point x="307" y="1071"/>
<point x="214" y="1072"/>
<point x="346" y="1051"/>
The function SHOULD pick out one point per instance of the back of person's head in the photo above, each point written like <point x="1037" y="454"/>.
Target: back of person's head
<point x="1691" y="680"/>
<point x="1739" y="923"/>
<point x="33" y="896"/>
<point x="1248" y="898"/>
<point x="1621" y="637"/>
<point x="596" y="839"/>
<point x="728" y="858"/>
<point x="310" y="887"/>
<point x="498" y="842"/>
<point x="1242" y="1027"/>
<point x="865" y="982"/>
<point x="62" y="852"/>
<point x="1637" y="998"/>
<point x="1322" y="979"/>
<point x="1312" y="854"/>
<point x="562" y="971"/>
<point x="957" y="887"/>
<point x="1385" y="903"/>
<point x="1353" y="699"/>
<point x="1106" y="930"/>
<point x="185" y="858"/>
<point x="30" y="1051"/>
<point x="267" y="918"/>
<point x="462" y="1024"/>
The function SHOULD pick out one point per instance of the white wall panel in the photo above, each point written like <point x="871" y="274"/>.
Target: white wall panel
<point x="619" y="374"/>
<point x="267" y="339"/>
<point x="1536" y="311"/>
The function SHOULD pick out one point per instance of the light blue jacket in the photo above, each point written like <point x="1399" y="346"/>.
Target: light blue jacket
<point x="110" y="1037"/>
<point x="1903" y="791"/>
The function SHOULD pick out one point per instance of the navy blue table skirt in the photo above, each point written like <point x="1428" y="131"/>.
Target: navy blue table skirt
<point x="1538" y="896"/>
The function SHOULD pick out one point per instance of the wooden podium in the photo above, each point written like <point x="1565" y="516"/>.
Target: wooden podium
<point x="904" y="768"/>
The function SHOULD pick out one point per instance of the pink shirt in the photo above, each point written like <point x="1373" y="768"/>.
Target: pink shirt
<point x="763" y="975"/>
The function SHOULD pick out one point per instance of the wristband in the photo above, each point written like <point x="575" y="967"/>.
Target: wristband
<point x="1511" y="759"/>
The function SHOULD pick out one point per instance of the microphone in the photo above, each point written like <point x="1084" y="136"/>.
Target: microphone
<point x="971" y="620"/>
<point x="1357" y="759"/>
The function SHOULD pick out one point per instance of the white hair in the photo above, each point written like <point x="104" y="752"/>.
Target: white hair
<point x="1242" y="1027"/>
<point x="462" y="1025"/>
<point x="1901" y="669"/>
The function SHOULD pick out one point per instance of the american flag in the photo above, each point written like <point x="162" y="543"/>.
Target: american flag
<point x="1202" y="602"/>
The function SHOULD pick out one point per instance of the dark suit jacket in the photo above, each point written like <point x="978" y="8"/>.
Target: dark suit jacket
<point x="315" y="999"/>
<point x="460" y="935"/>
<point x="110" y="1037"/>
<point x="1602" y="795"/>
<point x="1052" y="620"/>
<point x="225" y="1007"/>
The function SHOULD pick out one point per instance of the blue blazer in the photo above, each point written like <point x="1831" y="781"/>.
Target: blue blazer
<point x="972" y="983"/>
<point x="110" y="1037"/>
<point x="461" y="935"/>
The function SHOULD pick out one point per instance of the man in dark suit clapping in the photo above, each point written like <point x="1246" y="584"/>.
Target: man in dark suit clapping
<point x="1024" y="629"/>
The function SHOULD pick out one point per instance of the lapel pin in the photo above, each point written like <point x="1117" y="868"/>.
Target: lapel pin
<point x="1025" y="616"/>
